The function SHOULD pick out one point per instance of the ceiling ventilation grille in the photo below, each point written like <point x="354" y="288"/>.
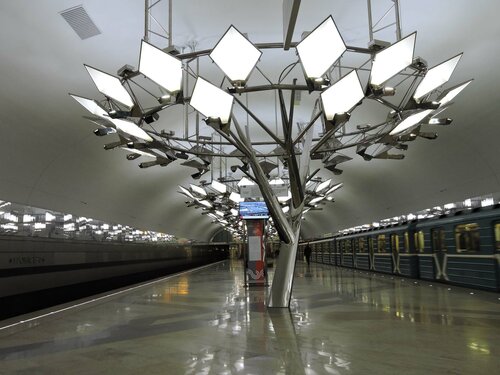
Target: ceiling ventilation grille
<point x="78" y="18"/>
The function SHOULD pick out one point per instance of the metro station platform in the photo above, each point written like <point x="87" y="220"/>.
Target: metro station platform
<point x="205" y="322"/>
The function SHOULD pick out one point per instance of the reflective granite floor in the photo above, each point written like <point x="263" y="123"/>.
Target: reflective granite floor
<point x="206" y="322"/>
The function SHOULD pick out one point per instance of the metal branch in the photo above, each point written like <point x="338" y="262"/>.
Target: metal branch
<point x="258" y="121"/>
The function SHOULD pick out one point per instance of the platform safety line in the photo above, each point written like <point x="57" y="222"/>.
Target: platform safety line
<point x="106" y="296"/>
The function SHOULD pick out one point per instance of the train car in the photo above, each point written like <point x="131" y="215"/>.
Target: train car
<point x="461" y="249"/>
<point x="33" y="269"/>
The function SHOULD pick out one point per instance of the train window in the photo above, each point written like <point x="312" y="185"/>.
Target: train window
<point x="407" y="243"/>
<point x="347" y="246"/>
<point x="362" y="244"/>
<point x="497" y="235"/>
<point x="381" y="243"/>
<point x="467" y="237"/>
<point x="395" y="243"/>
<point x="419" y="241"/>
<point x="438" y="239"/>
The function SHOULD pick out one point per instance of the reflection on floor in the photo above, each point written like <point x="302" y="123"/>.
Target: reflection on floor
<point x="206" y="322"/>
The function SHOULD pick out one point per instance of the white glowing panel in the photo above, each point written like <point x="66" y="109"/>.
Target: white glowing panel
<point x="392" y="60"/>
<point x="451" y="93"/>
<point x="216" y="185"/>
<point x="410" y="121"/>
<point x="160" y="67"/>
<point x="320" y="49"/>
<point x="205" y="203"/>
<point x="138" y="152"/>
<point x="110" y="86"/>
<point x="316" y="200"/>
<point x="235" y="197"/>
<point x="245" y="182"/>
<point x="235" y="55"/>
<point x="91" y="106"/>
<point x="342" y="96"/>
<point x="132" y="129"/>
<point x="334" y="187"/>
<point x="323" y="185"/>
<point x="198" y="190"/>
<point x="211" y="101"/>
<point x="436" y="76"/>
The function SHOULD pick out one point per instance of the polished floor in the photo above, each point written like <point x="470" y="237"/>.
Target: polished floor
<point x="206" y="322"/>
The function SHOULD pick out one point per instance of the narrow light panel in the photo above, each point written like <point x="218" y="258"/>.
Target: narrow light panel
<point x="132" y="129"/>
<point x="316" y="200"/>
<point x="450" y="94"/>
<point x="245" y="182"/>
<point x="160" y="67"/>
<point x="320" y="49"/>
<point x="410" y="121"/>
<point x="323" y="185"/>
<point x="235" y="55"/>
<point x="235" y="197"/>
<point x="138" y="152"/>
<point x="334" y="187"/>
<point x="392" y="60"/>
<point x="91" y="106"/>
<point x="205" y="203"/>
<point x="186" y="192"/>
<point x="216" y="185"/>
<point x="211" y="101"/>
<point x="342" y="96"/>
<point x="436" y="76"/>
<point x="198" y="190"/>
<point x="110" y="86"/>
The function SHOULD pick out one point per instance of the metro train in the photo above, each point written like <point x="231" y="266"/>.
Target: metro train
<point x="460" y="249"/>
<point x="39" y="272"/>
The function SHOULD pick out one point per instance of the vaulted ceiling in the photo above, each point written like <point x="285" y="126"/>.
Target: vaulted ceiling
<point x="50" y="158"/>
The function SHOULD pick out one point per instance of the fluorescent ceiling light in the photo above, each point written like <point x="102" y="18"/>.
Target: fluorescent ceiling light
<point x="235" y="55"/>
<point x="216" y="185"/>
<point x="139" y="152"/>
<point x="234" y="212"/>
<point x="205" y="203"/>
<point x="334" y="187"/>
<point x="436" y="76"/>
<point x="316" y="200"/>
<point x="160" y="67"/>
<point x="286" y="209"/>
<point x="450" y="94"/>
<point x="235" y="197"/>
<point x="198" y="190"/>
<point x="211" y="101"/>
<point x="277" y="181"/>
<point x="110" y="86"/>
<point x="186" y="192"/>
<point x="390" y="61"/>
<point x="320" y="49"/>
<point x="342" y="96"/>
<point x="219" y="213"/>
<point x="323" y="185"/>
<point x="91" y="106"/>
<point x="131" y="128"/>
<point x="245" y="182"/>
<point x="410" y="122"/>
<point x="49" y="216"/>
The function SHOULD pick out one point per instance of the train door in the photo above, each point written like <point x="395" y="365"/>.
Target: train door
<point x="497" y="252"/>
<point x="395" y="253"/>
<point x="372" y="251"/>
<point x="438" y="252"/>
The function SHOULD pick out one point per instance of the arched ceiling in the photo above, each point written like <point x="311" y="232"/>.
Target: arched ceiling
<point x="50" y="158"/>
